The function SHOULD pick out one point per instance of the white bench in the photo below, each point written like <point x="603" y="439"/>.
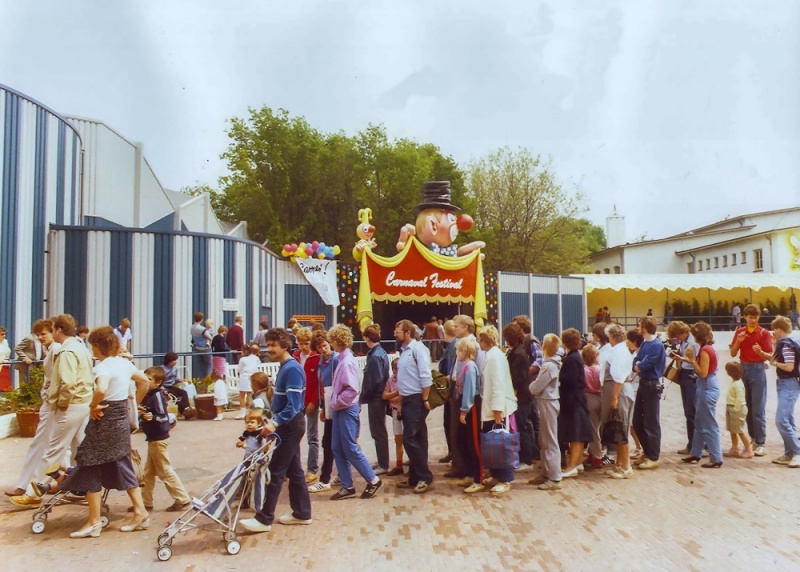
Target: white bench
<point x="271" y="369"/>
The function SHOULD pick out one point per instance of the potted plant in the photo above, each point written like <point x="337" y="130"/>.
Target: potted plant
<point x="26" y="401"/>
<point x="204" y="400"/>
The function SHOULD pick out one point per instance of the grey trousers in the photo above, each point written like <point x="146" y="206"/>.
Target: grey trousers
<point x="550" y="452"/>
<point x="595" y="403"/>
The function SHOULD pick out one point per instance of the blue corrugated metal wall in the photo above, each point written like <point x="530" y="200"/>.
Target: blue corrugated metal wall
<point x="229" y="278"/>
<point x="75" y="281"/>
<point x="39" y="215"/>
<point x="120" y="296"/>
<point x="8" y="230"/>
<point x="513" y="304"/>
<point x="303" y="299"/>
<point x="163" y="257"/>
<point x="572" y="311"/>
<point x="200" y="279"/>
<point x="545" y="314"/>
<point x="60" y="173"/>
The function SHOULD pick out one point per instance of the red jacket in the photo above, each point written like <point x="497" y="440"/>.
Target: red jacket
<point x="312" y="382"/>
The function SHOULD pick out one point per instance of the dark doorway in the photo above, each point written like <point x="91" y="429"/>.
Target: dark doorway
<point x="387" y="314"/>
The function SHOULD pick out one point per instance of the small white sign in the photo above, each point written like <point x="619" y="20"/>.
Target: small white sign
<point x="230" y="304"/>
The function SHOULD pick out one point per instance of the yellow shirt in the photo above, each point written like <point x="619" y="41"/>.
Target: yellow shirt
<point x="736" y="395"/>
<point x="73" y="379"/>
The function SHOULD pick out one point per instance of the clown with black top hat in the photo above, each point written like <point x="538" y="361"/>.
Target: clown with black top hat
<point x="436" y="224"/>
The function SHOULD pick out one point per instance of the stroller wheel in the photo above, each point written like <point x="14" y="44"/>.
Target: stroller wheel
<point x="228" y="536"/>
<point x="37" y="527"/>
<point x="164" y="553"/>
<point x="104" y="520"/>
<point x="105" y="509"/>
<point x="234" y="547"/>
<point x="39" y="516"/>
<point x="164" y="540"/>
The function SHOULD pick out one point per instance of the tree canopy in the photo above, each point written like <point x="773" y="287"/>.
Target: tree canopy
<point x="291" y="183"/>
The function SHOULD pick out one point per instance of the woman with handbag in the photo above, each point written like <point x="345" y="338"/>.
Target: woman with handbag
<point x="498" y="400"/>
<point x="104" y="456"/>
<point x="574" y="425"/>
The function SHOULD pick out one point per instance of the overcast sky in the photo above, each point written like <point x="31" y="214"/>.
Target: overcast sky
<point x="678" y="112"/>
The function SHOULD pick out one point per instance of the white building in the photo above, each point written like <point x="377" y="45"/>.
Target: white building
<point x="766" y="242"/>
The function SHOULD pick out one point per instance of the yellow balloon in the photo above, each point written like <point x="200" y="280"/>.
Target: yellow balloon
<point x="336" y="250"/>
<point x="321" y="256"/>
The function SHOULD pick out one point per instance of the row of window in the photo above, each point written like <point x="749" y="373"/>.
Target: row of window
<point x="735" y="258"/>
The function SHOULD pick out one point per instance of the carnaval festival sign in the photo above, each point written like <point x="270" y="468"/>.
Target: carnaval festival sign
<point x="417" y="274"/>
<point x="321" y="274"/>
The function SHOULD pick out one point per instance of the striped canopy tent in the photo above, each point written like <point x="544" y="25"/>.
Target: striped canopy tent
<point x="630" y="296"/>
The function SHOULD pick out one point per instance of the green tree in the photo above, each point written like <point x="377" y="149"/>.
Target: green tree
<point x="528" y="221"/>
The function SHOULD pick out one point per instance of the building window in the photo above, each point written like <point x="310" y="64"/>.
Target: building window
<point x="716" y="262"/>
<point x="708" y="264"/>
<point x="758" y="260"/>
<point x="617" y="270"/>
<point x="699" y="265"/>
<point x="725" y="261"/>
<point x="606" y="271"/>
<point x="733" y="259"/>
<point x="744" y="257"/>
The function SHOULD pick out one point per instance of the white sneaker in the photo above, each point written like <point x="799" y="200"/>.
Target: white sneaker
<point x="524" y="467"/>
<point x="254" y="525"/>
<point x="794" y="463"/>
<point x="291" y="519"/>
<point x="782" y="460"/>
<point x="242" y="413"/>
<point x="319" y="487"/>
<point x="219" y="418"/>
<point x="570" y="474"/>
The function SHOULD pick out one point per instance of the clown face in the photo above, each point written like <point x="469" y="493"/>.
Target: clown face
<point x="436" y="226"/>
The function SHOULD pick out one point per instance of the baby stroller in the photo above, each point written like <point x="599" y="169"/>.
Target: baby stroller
<point x="220" y="502"/>
<point x="64" y="497"/>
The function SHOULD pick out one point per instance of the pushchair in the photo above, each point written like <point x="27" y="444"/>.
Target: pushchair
<point x="222" y="503"/>
<point x="62" y="497"/>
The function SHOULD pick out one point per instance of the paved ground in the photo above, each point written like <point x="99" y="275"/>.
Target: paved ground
<point x="742" y="516"/>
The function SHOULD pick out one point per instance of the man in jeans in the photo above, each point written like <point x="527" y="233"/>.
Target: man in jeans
<point x="787" y="363"/>
<point x="376" y="374"/>
<point x="745" y="341"/>
<point x="414" y="384"/>
<point x="289" y="422"/>
<point x="649" y="364"/>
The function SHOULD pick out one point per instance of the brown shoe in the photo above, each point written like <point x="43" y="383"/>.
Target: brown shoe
<point x="394" y="471"/>
<point x="540" y="480"/>
<point x="404" y="484"/>
<point x="178" y="507"/>
<point x="15" y="493"/>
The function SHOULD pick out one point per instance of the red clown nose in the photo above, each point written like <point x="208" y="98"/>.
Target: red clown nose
<point x="464" y="222"/>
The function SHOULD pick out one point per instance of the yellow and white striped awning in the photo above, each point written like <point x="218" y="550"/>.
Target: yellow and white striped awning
<point x="671" y="282"/>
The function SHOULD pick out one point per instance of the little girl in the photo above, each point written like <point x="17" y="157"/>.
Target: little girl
<point x="469" y="394"/>
<point x="248" y="365"/>
<point x="545" y="389"/>
<point x="261" y="385"/>
<point x="392" y="395"/>
<point x="736" y="413"/>
<point x="220" y="394"/>
<point x="594" y="400"/>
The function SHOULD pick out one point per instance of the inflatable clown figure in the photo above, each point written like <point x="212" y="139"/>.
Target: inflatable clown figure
<point x="437" y="225"/>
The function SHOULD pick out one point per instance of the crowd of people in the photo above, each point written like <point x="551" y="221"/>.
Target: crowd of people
<point x="575" y="404"/>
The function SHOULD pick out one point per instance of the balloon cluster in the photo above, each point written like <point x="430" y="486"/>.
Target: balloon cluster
<point x="311" y="250"/>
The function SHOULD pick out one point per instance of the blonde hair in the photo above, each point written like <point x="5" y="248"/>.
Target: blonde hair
<point x="782" y="323"/>
<point x="341" y="335"/>
<point x="303" y="334"/>
<point x="489" y="334"/>
<point x="677" y="328"/>
<point x="550" y="345"/>
<point x="467" y="347"/>
<point x="255" y="415"/>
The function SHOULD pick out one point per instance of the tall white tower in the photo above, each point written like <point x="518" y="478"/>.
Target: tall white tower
<point x="615" y="229"/>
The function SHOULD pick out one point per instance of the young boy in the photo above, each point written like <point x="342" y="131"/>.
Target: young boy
<point x="736" y="413"/>
<point x="155" y="426"/>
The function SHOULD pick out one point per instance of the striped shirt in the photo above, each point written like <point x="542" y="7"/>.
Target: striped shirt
<point x="290" y="388"/>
